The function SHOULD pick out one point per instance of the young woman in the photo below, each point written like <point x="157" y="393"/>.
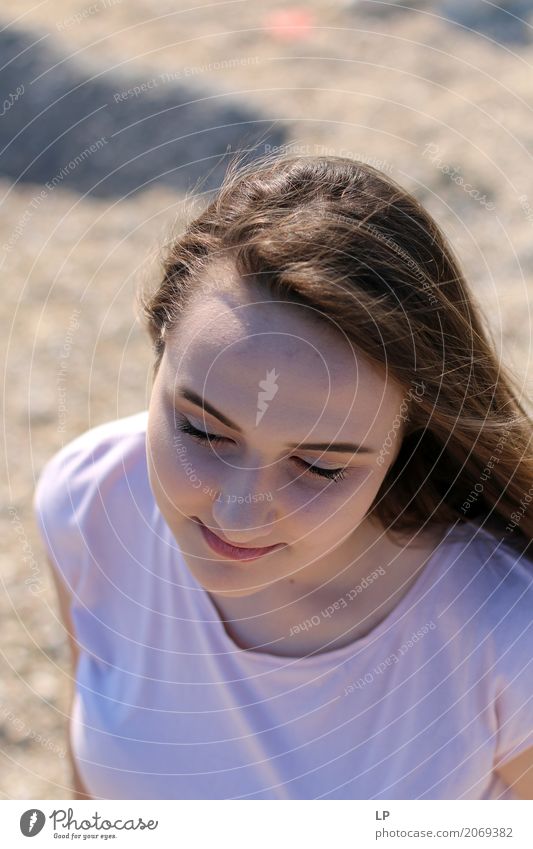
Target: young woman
<point x="303" y="572"/>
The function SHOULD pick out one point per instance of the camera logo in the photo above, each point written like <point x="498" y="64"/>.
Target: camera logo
<point x="32" y="822"/>
<point x="269" y="387"/>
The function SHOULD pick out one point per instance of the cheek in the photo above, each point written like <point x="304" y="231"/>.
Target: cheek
<point x="179" y="468"/>
<point x="364" y="488"/>
<point x="335" y="516"/>
<point x="335" y="506"/>
<point x="159" y="458"/>
<point x="163" y="455"/>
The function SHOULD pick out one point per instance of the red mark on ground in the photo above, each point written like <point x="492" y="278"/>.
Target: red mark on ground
<point x="289" y="24"/>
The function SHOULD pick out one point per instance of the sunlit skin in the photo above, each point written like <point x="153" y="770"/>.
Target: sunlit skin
<point x="326" y="392"/>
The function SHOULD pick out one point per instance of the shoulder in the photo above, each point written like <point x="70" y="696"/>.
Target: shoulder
<point x="490" y="560"/>
<point x="98" y="457"/>
<point x="507" y="573"/>
<point x="509" y="617"/>
<point x="486" y="595"/>
<point x="509" y="629"/>
<point x="497" y="579"/>
<point x="81" y="478"/>
<point x="492" y="609"/>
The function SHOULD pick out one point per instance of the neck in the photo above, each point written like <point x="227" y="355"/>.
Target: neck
<point x="317" y="610"/>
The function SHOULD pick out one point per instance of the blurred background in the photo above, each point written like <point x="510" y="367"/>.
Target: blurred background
<point x="117" y="121"/>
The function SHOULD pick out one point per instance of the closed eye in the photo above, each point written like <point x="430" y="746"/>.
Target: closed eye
<point x="206" y="438"/>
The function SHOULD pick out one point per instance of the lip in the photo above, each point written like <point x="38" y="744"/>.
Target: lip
<point x="232" y="552"/>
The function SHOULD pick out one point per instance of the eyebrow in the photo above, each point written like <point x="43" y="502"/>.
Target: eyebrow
<point x="343" y="447"/>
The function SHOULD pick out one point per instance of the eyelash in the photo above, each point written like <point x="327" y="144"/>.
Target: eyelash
<point x="186" y="427"/>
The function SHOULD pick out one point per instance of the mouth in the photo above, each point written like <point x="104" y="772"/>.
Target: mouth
<point x="229" y="550"/>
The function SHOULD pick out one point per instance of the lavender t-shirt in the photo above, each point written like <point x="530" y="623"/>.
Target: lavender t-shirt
<point x="167" y="706"/>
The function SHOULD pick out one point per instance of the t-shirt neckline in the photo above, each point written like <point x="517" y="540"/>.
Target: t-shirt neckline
<point x="334" y="656"/>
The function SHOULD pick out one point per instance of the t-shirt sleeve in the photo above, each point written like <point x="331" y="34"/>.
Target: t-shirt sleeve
<point x="514" y="699"/>
<point x="58" y="505"/>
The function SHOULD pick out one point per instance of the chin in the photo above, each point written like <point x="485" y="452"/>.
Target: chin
<point x="226" y="577"/>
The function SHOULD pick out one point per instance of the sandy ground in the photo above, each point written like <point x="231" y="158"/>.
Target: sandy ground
<point x="363" y="79"/>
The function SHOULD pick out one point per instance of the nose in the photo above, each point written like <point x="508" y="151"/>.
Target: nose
<point x="245" y="514"/>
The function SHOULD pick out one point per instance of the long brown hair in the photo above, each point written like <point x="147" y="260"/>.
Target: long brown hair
<point x="342" y="237"/>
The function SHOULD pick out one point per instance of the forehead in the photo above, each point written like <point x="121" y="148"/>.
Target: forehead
<point x="235" y="336"/>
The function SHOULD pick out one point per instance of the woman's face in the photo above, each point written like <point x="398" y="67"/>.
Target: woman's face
<point x="274" y="383"/>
